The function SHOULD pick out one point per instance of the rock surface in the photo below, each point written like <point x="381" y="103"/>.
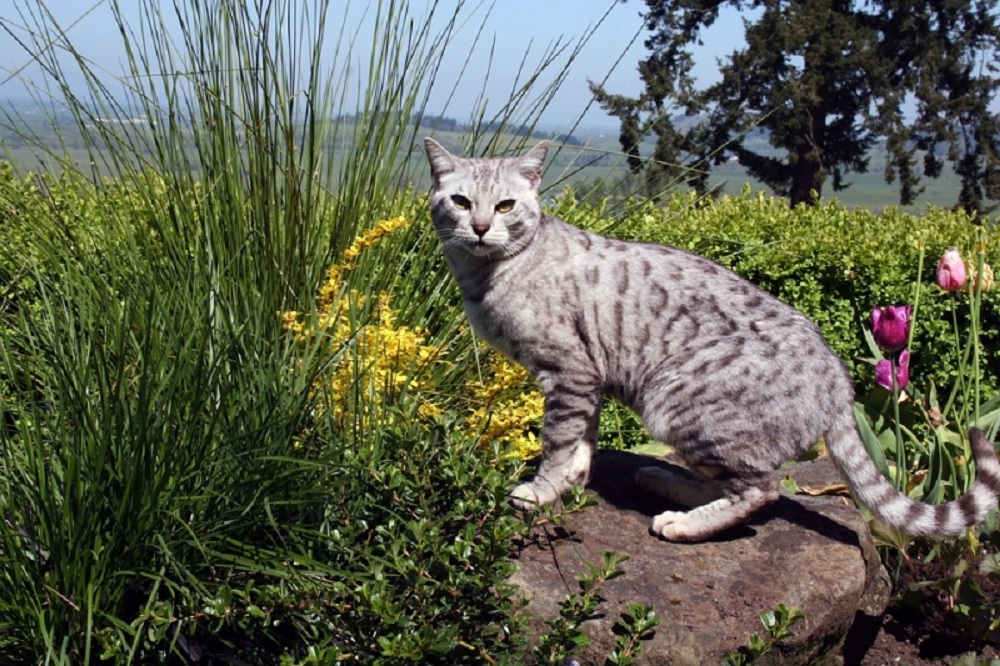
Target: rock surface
<point x="811" y="553"/>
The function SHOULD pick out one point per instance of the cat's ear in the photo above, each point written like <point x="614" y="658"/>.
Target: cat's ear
<point x="530" y="164"/>
<point x="442" y="162"/>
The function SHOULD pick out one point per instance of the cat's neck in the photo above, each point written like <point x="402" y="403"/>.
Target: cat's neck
<point x="471" y="271"/>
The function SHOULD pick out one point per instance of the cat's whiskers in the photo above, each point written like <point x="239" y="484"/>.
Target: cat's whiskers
<point x="509" y="248"/>
<point x="451" y="241"/>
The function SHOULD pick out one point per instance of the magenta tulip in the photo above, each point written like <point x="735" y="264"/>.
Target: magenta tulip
<point x="951" y="271"/>
<point x="891" y="326"/>
<point x="883" y="371"/>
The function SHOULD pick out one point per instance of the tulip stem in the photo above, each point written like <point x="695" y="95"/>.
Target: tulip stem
<point x="901" y="474"/>
<point x="976" y="298"/>
<point x="960" y="386"/>
<point x="916" y="296"/>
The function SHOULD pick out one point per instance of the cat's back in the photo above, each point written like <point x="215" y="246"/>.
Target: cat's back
<point x="657" y="279"/>
<point x="638" y="305"/>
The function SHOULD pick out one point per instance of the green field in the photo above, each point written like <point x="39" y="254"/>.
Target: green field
<point x="33" y="142"/>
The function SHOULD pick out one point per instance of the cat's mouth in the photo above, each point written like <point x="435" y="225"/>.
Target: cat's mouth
<point x="476" y="246"/>
<point x="481" y="248"/>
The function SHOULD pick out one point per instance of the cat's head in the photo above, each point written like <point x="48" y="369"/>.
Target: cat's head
<point x="485" y="207"/>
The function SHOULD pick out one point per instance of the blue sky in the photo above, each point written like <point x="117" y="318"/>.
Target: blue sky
<point x="512" y="28"/>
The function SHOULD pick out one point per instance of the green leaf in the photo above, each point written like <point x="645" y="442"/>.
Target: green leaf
<point x="789" y="485"/>
<point x="651" y="448"/>
<point x="990" y="564"/>
<point x="873" y="347"/>
<point x="872" y="444"/>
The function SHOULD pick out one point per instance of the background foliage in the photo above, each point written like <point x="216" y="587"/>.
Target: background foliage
<point x="362" y="496"/>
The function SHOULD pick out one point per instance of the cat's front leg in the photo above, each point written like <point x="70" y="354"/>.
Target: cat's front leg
<point x="569" y="437"/>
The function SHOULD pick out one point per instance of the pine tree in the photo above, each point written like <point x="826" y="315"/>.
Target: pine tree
<point x="826" y="80"/>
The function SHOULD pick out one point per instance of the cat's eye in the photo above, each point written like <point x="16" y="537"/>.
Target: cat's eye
<point x="461" y="202"/>
<point x="505" y="206"/>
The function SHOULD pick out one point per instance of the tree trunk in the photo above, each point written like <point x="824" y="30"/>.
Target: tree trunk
<point x="808" y="173"/>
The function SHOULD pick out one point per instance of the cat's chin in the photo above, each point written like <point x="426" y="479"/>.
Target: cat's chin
<point x="483" y="250"/>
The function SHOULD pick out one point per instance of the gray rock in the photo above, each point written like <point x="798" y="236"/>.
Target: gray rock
<point x="810" y="553"/>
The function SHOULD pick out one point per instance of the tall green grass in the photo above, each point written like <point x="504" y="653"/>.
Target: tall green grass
<point x="169" y="492"/>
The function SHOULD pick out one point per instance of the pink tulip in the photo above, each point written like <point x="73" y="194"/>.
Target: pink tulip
<point x="883" y="371"/>
<point x="951" y="271"/>
<point x="891" y="326"/>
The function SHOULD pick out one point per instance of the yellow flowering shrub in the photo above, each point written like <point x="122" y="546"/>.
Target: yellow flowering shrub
<point x="508" y="408"/>
<point x="381" y="363"/>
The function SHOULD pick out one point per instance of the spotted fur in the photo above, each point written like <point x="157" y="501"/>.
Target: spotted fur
<point x="737" y="381"/>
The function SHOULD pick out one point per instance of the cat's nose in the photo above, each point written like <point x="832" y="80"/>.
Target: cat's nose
<point x="480" y="229"/>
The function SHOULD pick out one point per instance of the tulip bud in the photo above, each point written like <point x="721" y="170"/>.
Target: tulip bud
<point x="951" y="271"/>
<point x="891" y="326"/>
<point x="884" y="368"/>
<point x="988" y="277"/>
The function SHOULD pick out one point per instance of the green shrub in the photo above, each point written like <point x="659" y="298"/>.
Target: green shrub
<point x="429" y="534"/>
<point x="71" y="205"/>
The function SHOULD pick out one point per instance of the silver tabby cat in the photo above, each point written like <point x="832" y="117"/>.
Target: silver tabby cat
<point x="737" y="381"/>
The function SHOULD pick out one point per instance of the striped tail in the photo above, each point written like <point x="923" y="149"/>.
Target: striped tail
<point x="895" y="509"/>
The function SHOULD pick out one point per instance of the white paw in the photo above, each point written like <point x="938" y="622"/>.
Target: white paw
<point x="533" y="494"/>
<point x="673" y="526"/>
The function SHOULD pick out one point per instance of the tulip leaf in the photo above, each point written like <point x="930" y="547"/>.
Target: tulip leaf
<point x="870" y="439"/>
<point x="932" y="397"/>
<point x="990" y="564"/>
<point x="870" y="340"/>
<point x="989" y="416"/>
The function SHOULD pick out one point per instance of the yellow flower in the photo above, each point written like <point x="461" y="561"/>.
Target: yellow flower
<point x="370" y="237"/>
<point x="526" y="446"/>
<point x="508" y="409"/>
<point x="377" y="360"/>
<point x="430" y="410"/>
<point x="380" y="364"/>
<point x="290" y="322"/>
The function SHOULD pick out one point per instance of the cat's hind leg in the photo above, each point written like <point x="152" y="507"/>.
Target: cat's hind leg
<point x="731" y="508"/>
<point x="679" y="488"/>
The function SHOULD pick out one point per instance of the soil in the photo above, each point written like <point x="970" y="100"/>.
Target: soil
<point x="920" y="628"/>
